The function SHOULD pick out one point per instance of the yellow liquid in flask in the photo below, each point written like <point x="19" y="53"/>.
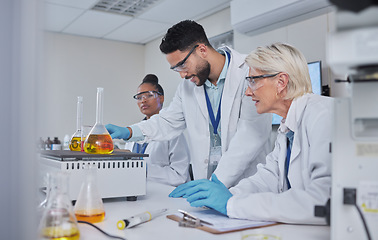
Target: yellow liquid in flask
<point x="61" y="233"/>
<point x="75" y="144"/>
<point x="99" y="144"/>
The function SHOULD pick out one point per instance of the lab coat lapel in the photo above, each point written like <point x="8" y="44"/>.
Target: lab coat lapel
<point x="296" y="148"/>
<point x="199" y="92"/>
<point x="231" y="86"/>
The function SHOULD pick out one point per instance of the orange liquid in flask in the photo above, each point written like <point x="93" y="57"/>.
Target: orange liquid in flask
<point x="99" y="144"/>
<point x="92" y="216"/>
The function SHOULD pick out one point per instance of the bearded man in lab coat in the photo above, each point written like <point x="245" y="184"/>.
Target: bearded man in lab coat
<point x="225" y="133"/>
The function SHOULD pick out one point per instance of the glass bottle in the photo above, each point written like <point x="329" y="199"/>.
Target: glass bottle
<point x="99" y="140"/>
<point x="58" y="221"/>
<point x="56" y="144"/>
<point x="48" y="143"/>
<point x="76" y="141"/>
<point x="89" y="206"/>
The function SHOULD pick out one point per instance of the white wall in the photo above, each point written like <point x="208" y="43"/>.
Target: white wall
<point x="76" y="66"/>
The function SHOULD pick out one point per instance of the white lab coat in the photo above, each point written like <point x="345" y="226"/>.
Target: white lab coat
<point x="168" y="161"/>
<point x="245" y="133"/>
<point x="263" y="197"/>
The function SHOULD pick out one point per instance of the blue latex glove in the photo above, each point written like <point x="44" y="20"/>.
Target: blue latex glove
<point x="118" y="132"/>
<point x="213" y="194"/>
<point x="180" y="191"/>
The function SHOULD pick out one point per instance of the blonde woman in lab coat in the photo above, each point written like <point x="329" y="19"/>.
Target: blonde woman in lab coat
<point x="168" y="161"/>
<point x="289" y="185"/>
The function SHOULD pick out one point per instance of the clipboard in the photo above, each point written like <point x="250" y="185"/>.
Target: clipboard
<point x="214" y="227"/>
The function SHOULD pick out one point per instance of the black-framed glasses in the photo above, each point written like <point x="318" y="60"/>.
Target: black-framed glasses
<point x="146" y="95"/>
<point x="252" y="83"/>
<point x="180" y="66"/>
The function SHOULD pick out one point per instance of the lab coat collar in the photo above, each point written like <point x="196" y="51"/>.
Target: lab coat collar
<point x="237" y="59"/>
<point x="230" y="87"/>
<point x="294" y="115"/>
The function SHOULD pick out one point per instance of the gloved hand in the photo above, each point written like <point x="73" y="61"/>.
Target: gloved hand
<point x="180" y="191"/>
<point x="213" y="194"/>
<point x="118" y="132"/>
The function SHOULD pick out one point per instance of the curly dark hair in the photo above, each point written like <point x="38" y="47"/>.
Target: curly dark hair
<point x="154" y="81"/>
<point x="183" y="36"/>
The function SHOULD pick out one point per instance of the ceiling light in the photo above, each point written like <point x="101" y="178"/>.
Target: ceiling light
<point x="126" y="7"/>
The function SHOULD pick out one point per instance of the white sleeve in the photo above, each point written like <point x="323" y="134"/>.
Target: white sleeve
<point x="171" y="164"/>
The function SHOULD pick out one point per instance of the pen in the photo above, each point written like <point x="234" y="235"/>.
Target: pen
<point x="138" y="219"/>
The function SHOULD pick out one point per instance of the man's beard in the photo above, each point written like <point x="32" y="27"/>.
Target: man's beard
<point x="203" y="73"/>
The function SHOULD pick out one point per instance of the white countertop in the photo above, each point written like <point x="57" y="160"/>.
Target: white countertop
<point x="163" y="228"/>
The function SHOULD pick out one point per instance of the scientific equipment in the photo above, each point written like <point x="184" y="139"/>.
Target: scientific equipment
<point x="140" y="218"/>
<point x="120" y="167"/>
<point x="76" y="143"/>
<point x="353" y="51"/>
<point x="58" y="221"/>
<point x="89" y="206"/>
<point x="99" y="140"/>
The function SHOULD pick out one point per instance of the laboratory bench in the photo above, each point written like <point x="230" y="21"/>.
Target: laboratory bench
<point x="164" y="228"/>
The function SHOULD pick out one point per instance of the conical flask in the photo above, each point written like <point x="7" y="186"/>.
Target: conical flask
<point x="99" y="140"/>
<point x="89" y="206"/>
<point x="76" y="142"/>
<point x="58" y="220"/>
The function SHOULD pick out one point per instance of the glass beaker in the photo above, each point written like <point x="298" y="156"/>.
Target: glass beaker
<point x="58" y="221"/>
<point x="89" y="206"/>
<point x="99" y="140"/>
<point x="76" y="139"/>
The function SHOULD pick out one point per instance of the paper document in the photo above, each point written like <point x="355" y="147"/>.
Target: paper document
<point x="222" y="223"/>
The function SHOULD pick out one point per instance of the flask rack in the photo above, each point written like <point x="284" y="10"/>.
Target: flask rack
<point x="120" y="174"/>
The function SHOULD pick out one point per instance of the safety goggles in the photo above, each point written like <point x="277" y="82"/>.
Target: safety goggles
<point x="254" y="85"/>
<point x="181" y="66"/>
<point x="146" y="95"/>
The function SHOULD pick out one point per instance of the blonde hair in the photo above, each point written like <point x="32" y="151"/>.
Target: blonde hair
<point x="281" y="57"/>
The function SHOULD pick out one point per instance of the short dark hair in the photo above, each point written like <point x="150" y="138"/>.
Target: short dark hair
<point x="153" y="80"/>
<point x="183" y="36"/>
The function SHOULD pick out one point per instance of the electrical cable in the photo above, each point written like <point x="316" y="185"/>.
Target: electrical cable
<point x="364" y="222"/>
<point x="107" y="234"/>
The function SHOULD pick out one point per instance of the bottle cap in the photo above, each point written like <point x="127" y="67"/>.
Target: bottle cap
<point x="122" y="224"/>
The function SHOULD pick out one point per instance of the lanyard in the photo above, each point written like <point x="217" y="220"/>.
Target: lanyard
<point x="140" y="148"/>
<point x="215" y="121"/>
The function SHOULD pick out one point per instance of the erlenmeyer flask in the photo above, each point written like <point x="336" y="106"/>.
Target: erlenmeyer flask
<point x="58" y="220"/>
<point x="76" y="142"/>
<point x="99" y="140"/>
<point x="89" y="206"/>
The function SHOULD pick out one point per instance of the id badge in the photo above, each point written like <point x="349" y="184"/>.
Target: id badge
<point x="215" y="156"/>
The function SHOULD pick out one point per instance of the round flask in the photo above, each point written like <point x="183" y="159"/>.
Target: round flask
<point x="99" y="140"/>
